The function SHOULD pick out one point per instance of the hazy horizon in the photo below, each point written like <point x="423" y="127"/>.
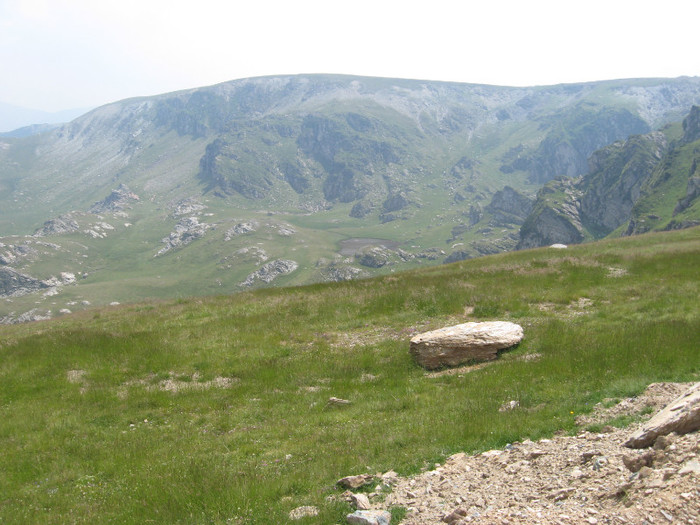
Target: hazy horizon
<point x="61" y="54"/>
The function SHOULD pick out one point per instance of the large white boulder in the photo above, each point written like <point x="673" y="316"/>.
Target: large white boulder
<point x="455" y="345"/>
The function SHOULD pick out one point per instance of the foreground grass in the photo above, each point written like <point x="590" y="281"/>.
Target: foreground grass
<point x="216" y="410"/>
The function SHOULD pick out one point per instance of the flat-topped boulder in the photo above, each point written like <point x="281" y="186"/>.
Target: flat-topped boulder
<point x="462" y="343"/>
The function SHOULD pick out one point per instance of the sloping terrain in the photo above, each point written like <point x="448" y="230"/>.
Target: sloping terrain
<point x="279" y="176"/>
<point x="220" y="409"/>
<point x="586" y="478"/>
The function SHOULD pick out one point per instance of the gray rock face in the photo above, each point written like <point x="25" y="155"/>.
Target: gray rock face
<point x="15" y="284"/>
<point x="454" y="345"/>
<point x="186" y="231"/>
<point x="188" y="206"/>
<point x="115" y="201"/>
<point x="691" y="194"/>
<point x="373" y="257"/>
<point x="270" y="271"/>
<point x="241" y="229"/>
<point x="691" y="125"/>
<point x="556" y="216"/>
<point x="57" y="226"/>
<point x="617" y="174"/>
<point x="565" y="149"/>
<point x="681" y="416"/>
<point x="338" y="273"/>
<point x="509" y="206"/>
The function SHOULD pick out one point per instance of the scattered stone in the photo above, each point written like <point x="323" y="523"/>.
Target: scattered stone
<point x="355" y="482"/>
<point x="454" y="516"/>
<point x="390" y="478"/>
<point x="59" y="225"/>
<point x="270" y="271"/>
<point x="186" y="231"/>
<point x="690" y="467"/>
<point x="241" y="229"/>
<point x="303" y="512"/>
<point x="115" y="201"/>
<point x="360" y="501"/>
<point x="338" y="401"/>
<point x="188" y="206"/>
<point x="285" y="231"/>
<point x="681" y="416"/>
<point x="510" y="405"/>
<point x="558" y="246"/>
<point x="369" y="517"/>
<point x="455" y="345"/>
<point x="635" y="462"/>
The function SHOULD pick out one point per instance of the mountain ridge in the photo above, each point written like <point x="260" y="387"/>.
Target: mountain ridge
<point x="415" y="164"/>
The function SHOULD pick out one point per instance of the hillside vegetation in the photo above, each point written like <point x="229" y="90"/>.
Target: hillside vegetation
<point x="216" y="410"/>
<point x="292" y="180"/>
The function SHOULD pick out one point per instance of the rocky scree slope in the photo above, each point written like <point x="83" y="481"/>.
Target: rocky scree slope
<point x="588" y="478"/>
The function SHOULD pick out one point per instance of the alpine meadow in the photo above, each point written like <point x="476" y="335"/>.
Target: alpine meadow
<point x="208" y="296"/>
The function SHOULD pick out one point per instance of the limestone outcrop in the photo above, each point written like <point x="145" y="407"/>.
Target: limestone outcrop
<point x="455" y="345"/>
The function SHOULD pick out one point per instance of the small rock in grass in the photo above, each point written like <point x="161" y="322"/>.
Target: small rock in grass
<point x="303" y="512"/>
<point x="355" y="482"/>
<point x="360" y="501"/>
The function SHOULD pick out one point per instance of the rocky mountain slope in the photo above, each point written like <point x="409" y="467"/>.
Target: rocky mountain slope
<point x="588" y="478"/>
<point x="644" y="183"/>
<point x="425" y="172"/>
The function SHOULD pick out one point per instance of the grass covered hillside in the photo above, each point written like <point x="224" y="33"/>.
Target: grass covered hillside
<point x="217" y="410"/>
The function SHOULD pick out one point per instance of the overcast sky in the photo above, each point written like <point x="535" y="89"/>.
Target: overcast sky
<point x="61" y="54"/>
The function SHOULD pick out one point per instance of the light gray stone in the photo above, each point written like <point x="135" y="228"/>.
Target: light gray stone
<point x="360" y="501"/>
<point x="680" y="416"/>
<point x="303" y="512"/>
<point x="369" y="517"/>
<point x="455" y="345"/>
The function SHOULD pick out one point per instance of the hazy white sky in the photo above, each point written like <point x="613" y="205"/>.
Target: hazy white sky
<point x="60" y="54"/>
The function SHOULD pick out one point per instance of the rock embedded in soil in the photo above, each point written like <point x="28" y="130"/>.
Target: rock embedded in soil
<point x="360" y="501"/>
<point x="455" y="345"/>
<point x="303" y="512"/>
<point x="355" y="482"/>
<point x="369" y="517"/>
<point x="681" y="416"/>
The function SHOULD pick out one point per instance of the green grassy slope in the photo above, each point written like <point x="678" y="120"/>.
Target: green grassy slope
<point x="215" y="410"/>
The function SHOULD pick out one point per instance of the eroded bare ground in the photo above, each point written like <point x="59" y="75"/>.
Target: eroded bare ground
<point x="587" y="478"/>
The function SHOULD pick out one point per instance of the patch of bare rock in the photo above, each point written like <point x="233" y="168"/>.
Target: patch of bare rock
<point x="589" y="478"/>
<point x="270" y="271"/>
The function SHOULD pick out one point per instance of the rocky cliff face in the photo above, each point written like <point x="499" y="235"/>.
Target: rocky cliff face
<point x="509" y="206"/>
<point x="556" y="216"/>
<point x="566" y="148"/>
<point x="614" y="183"/>
<point x="637" y="182"/>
